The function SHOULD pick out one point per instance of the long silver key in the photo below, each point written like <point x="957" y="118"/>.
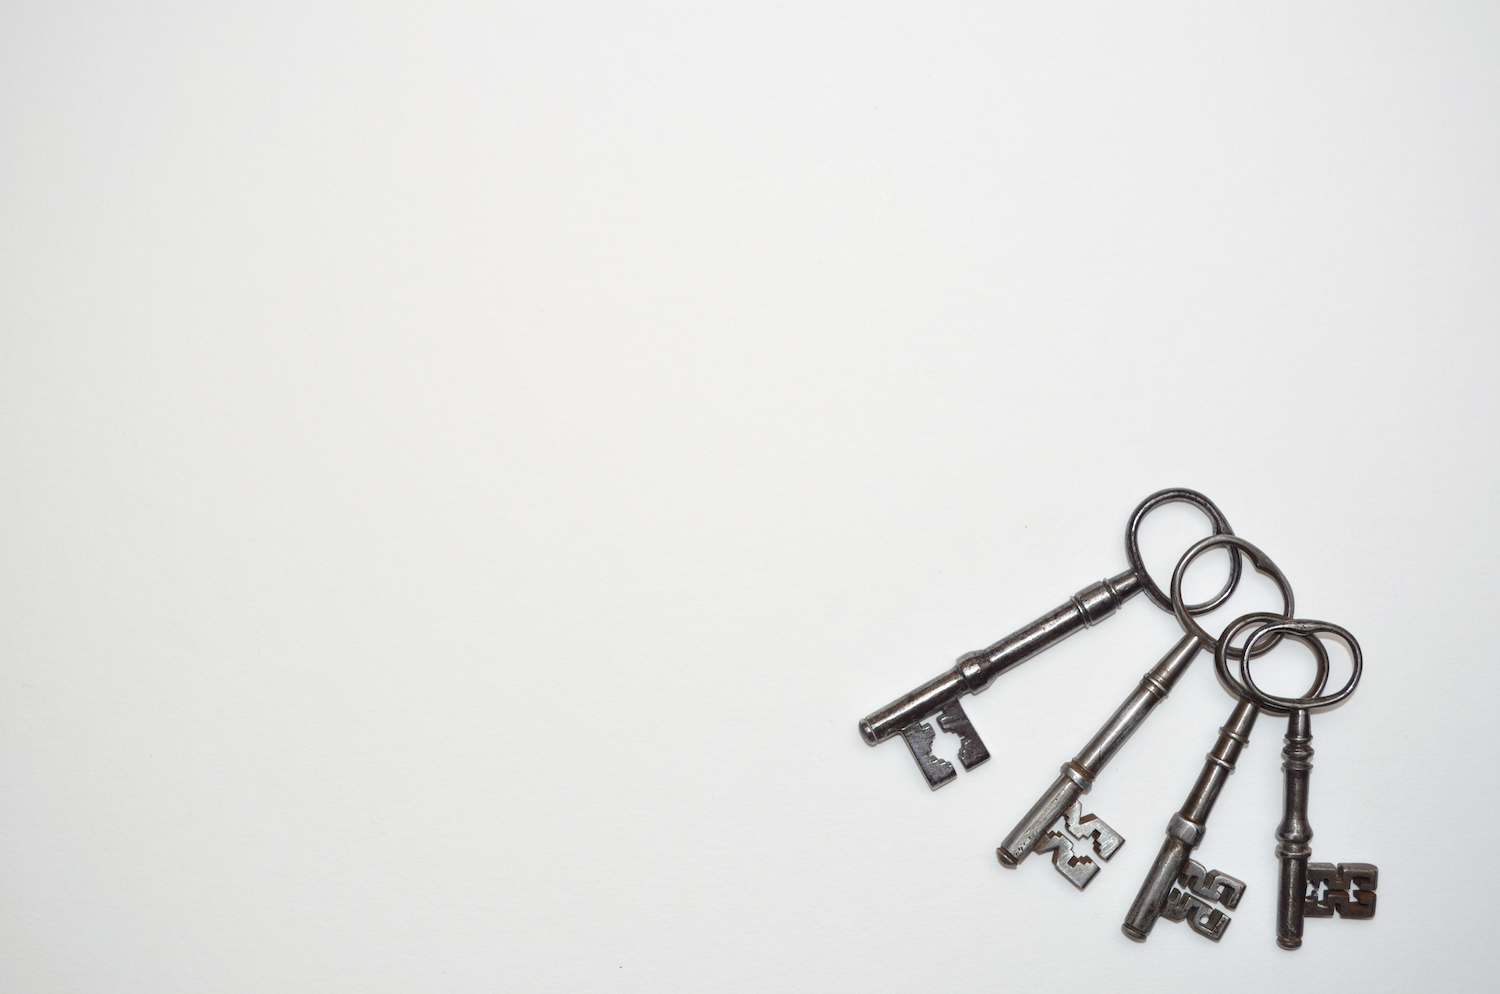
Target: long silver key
<point x="1177" y="887"/>
<point x="907" y="715"/>
<point x="1306" y="889"/>
<point x="1045" y="821"/>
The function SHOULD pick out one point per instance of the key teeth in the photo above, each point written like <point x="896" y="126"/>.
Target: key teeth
<point x="1106" y="840"/>
<point x="1348" y="889"/>
<point x="1193" y="897"/>
<point x="971" y="750"/>
<point x="919" y="737"/>
<point x="936" y="769"/>
<point x="1077" y="870"/>
<point x="1071" y="827"/>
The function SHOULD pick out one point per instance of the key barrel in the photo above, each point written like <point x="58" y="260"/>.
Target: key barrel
<point x="1159" y="882"/>
<point x="1295" y="832"/>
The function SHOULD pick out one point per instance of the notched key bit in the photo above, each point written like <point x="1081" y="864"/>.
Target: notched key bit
<point x="1073" y="829"/>
<point x="1195" y="895"/>
<point x="1346" y="888"/>
<point x="919" y="736"/>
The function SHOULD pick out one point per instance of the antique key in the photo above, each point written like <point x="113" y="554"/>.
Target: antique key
<point x="974" y="671"/>
<point x="1177" y="887"/>
<point x="1049" y="825"/>
<point x="1345" y="888"/>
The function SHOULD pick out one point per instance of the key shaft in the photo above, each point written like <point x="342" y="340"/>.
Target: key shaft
<point x="975" y="671"/>
<point x="1294" y="834"/>
<point x="1078" y="775"/>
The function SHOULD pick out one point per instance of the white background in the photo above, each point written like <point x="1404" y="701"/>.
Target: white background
<point x="465" y="471"/>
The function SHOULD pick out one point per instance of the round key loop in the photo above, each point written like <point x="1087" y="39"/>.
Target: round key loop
<point x="1307" y="632"/>
<point x="1258" y="559"/>
<point x="1263" y="618"/>
<point x="1133" y="546"/>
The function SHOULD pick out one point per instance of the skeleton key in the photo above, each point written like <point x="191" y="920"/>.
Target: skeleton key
<point x="1045" y="821"/>
<point x="1197" y="890"/>
<point x="1170" y="880"/>
<point x="1345" y="888"/>
<point x="975" y="671"/>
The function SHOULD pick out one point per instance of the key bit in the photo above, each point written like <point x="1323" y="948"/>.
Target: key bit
<point x="1073" y="831"/>
<point x="1195" y="895"/>
<point x="1345" y="888"/>
<point x="919" y="737"/>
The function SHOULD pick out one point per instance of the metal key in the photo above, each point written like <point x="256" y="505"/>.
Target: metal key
<point x="1177" y="887"/>
<point x="1045" y="821"/>
<point x="1306" y="889"/>
<point x="975" y="671"/>
<point x="1168" y="884"/>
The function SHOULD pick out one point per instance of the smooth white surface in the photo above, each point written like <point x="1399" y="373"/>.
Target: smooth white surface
<point x="467" y="469"/>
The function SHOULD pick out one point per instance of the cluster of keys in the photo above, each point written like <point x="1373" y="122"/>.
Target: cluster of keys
<point x="1177" y="888"/>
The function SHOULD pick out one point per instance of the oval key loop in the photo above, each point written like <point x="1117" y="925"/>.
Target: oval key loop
<point x="1307" y="632"/>
<point x="1258" y="559"/>
<point x="1221" y="527"/>
<point x="1221" y="657"/>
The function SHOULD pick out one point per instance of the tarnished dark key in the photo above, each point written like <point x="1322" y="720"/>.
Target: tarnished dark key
<point x="1177" y="887"/>
<point x="907" y="715"/>
<point x="1045" y="821"/>
<point x="1306" y="889"/>
<point x="1169" y="889"/>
